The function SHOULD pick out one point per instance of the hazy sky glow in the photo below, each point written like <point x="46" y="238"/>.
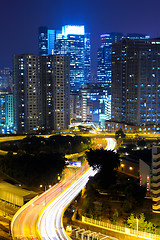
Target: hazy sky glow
<point x="19" y="21"/>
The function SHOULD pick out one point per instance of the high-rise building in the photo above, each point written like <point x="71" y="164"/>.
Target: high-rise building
<point x="6" y="111"/>
<point x="74" y="42"/>
<point x="55" y="92"/>
<point x="135" y="81"/>
<point x="41" y="92"/>
<point x="94" y="104"/>
<point x="155" y="185"/>
<point x="104" y="57"/>
<point x="6" y="78"/>
<point x="105" y="51"/>
<point x="46" y="41"/>
<point x="43" y="41"/>
<point x="104" y="61"/>
<point x="27" y="93"/>
<point x="137" y="36"/>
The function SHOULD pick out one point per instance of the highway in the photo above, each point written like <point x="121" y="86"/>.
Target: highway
<point x="11" y="138"/>
<point x="52" y="216"/>
<point x="24" y="223"/>
<point x="111" y="144"/>
<point x="41" y="218"/>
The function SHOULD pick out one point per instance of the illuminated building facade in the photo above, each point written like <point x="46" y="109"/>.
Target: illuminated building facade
<point x="112" y="126"/>
<point x="144" y="173"/>
<point x="74" y="42"/>
<point x="104" y="54"/>
<point x="134" y="36"/>
<point x="41" y="92"/>
<point x="6" y="111"/>
<point x="94" y="104"/>
<point x="104" y="57"/>
<point x="46" y="41"/>
<point x="55" y="92"/>
<point x="104" y="61"/>
<point x="27" y="93"/>
<point x="135" y="81"/>
<point x="6" y="79"/>
<point x="155" y="185"/>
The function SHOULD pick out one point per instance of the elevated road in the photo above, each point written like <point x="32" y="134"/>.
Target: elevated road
<point x="41" y="218"/>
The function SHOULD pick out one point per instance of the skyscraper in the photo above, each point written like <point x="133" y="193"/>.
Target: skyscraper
<point x="136" y="81"/>
<point x="105" y="51"/>
<point x="27" y="93"/>
<point x="46" y="41"/>
<point x="41" y="92"/>
<point x="155" y="184"/>
<point x="94" y="103"/>
<point x="6" y="78"/>
<point x="6" y="111"/>
<point x="55" y="92"/>
<point x="137" y="36"/>
<point x="104" y="57"/>
<point x="74" y="42"/>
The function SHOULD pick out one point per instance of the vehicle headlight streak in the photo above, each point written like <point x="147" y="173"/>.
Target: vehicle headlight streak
<point x="49" y="207"/>
<point x="50" y="224"/>
<point x="111" y="144"/>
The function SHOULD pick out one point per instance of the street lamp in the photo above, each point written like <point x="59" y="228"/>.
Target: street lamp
<point x="137" y="227"/>
<point x="45" y="188"/>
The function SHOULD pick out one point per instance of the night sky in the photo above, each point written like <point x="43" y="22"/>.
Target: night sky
<point x="19" y="21"/>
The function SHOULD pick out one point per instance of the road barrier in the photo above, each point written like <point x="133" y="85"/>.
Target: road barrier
<point x="120" y="229"/>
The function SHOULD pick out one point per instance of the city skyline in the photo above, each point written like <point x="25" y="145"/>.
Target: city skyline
<point x="20" y="22"/>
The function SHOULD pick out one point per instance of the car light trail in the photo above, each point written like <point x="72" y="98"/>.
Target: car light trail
<point x="52" y="216"/>
<point x="41" y="218"/>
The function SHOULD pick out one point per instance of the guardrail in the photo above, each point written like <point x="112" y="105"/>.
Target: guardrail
<point x="120" y="229"/>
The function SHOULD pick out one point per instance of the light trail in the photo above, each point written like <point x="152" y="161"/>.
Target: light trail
<point x="111" y="144"/>
<point x="52" y="216"/>
<point x="54" y="212"/>
<point x="41" y="218"/>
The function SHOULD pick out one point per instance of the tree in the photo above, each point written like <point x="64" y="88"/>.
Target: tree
<point x="141" y="143"/>
<point x="131" y="221"/>
<point x="106" y="162"/>
<point x="143" y="225"/>
<point x="119" y="134"/>
<point x="134" y="194"/>
<point x="115" y="216"/>
<point x="88" y="205"/>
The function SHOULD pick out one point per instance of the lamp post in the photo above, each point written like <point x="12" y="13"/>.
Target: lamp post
<point x="137" y="227"/>
<point x="4" y="214"/>
<point x="45" y="188"/>
<point x="69" y="147"/>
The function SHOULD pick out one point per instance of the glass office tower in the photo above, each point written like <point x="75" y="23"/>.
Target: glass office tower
<point x="46" y="41"/>
<point x="104" y="57"/>
<point x="74" y="42"/>
<point x="6" y="111"/>
<point x="105" y="51"/>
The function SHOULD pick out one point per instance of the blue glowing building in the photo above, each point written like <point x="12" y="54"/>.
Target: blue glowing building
<point x="94" y="104"/>
<point x="105" y="51"/>
<point x="74" y="42"/>
<point x="6" y="111"/>
<point x="46" y="41"/>
<point x="104" y="58"/>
